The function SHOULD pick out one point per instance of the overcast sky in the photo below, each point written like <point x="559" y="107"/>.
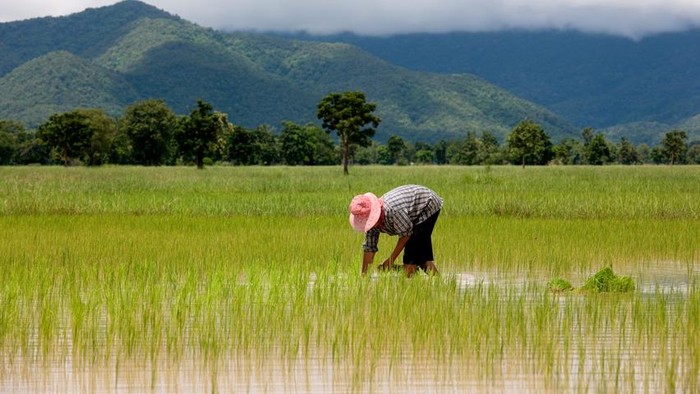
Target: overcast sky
<point x="633" y="18"/>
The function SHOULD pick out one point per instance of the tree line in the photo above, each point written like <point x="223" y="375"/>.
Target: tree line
<point x="149" y="133"/>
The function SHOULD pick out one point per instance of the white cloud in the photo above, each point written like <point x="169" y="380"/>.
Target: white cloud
<point x="625" y="17"/>
<point x="11" y="10"/>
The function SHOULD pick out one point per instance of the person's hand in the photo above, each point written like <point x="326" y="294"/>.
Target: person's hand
<point x="386" y="265"/>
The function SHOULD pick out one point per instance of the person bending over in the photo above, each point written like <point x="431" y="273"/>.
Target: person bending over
<point x="409" y="211"/>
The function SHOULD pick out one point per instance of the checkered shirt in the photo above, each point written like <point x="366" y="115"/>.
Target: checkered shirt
<point x="404" y="207"/>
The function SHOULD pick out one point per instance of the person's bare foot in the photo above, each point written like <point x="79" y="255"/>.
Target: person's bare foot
<point x="431" y="268"/>
<point x="410" y="269"/>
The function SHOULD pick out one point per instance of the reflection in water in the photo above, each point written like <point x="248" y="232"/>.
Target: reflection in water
<point x="547" y="343"/>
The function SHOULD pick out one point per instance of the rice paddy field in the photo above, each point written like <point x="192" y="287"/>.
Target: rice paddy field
<point x="246" y="279"/>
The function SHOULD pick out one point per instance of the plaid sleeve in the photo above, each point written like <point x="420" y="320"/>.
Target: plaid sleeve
<point x="371" y="241"/>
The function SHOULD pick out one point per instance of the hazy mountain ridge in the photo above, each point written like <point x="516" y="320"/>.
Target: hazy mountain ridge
<point x="131" y="51"/>
<point x="411" y="100"/>
<point x="602" y="81"/>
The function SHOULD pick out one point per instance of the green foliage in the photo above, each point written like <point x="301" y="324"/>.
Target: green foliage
<point x="310" y="145"/>
<point x="490" y="149"/>
<point x="85" y="34"/>
<point x="674" y="146"/>
<point x="605" y="280"/>
<point x="10" y="134"/>
<point x="597" y="151"/>
<point x="325" y="152"/>
<point x="529" y="144"/>
<point x="395" y="145"/>
<point x="198" y="133"/>
<point x="101" y="149"/>
<point x="568" y="151"/>
<point x="627" y="153"/>
<point x="649" y="133"/>
<point x="61" y="82"/>
<point x="305" y="145"/>
<point x="252" y="147"/>
<point x="296" y="147"/>
<point x="68" y="134"/>
<point x="474" y="150"/>
<point x="694" y="153"/>
<point x="8" y="148"/>
<point x="425" y="156"/>
<point x="558" y="285"/>
<point x="465" y="153"/>
<point x="150" y="126"/>
<point x="351" y="117"/>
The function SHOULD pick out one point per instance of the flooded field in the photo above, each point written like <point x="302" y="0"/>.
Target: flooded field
<point x="531" y="341"/>
<point x="172" y="280"/>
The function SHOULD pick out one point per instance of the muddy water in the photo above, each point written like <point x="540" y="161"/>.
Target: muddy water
<point x="298" y="376"/>
<point x="604" y="363"/>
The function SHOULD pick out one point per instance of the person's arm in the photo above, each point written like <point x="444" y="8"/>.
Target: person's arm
<point x="367" y="259"/>
<point x="400" y="244"/>
<point x="370" y="248"/>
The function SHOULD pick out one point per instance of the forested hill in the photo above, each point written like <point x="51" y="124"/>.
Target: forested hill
<point x="112" y="56"/>
<point x="634" y="87"/>
<point x="86" y="34"/>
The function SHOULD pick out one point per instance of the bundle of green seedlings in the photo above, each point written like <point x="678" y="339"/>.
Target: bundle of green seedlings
<point x="603" y="281"/>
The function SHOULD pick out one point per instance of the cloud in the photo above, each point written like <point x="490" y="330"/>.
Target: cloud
<point x="12" y="10"/>
<point x="624" y="17"/>
<point x="632" y="18"/>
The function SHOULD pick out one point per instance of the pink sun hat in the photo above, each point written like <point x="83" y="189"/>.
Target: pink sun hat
<point x="365" y="210"/>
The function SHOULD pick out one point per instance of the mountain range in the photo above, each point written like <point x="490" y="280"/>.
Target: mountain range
<point x="639" y="88"/>
<point x="113" y="56"/>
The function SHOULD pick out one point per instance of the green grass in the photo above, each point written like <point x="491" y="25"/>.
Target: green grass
<point x="258" y="268"/>
<point x="547" y="192"/>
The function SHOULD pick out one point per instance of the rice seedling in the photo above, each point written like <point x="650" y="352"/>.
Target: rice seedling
<point x="559" y="285"/>
<point x="605" y="280"/>
<point x="234" y="279"/>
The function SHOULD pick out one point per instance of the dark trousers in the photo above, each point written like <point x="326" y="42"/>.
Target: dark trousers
<point x="419" y="248"/>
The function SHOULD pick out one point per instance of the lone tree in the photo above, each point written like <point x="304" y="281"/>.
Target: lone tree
<point x="348" y="114"/>
<point x="529" y="144"/>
